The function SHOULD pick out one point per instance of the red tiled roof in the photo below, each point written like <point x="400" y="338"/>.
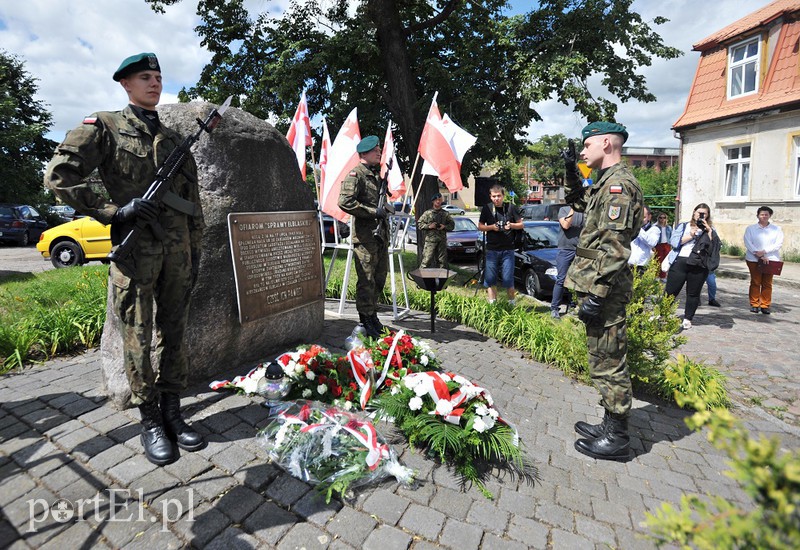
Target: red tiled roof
<point x="748" y="23"/>
<point x="708" y="100"/>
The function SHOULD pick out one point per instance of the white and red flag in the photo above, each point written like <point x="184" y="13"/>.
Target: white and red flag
<point x="341" y="158"/>
<point x="397" y="185"/>
<point x="323" y="153"/>
<point x="443" y="145"/>
<point x="299" y="134"/>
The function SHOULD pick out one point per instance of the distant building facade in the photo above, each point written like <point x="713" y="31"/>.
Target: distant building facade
<point x="658" y="158"/>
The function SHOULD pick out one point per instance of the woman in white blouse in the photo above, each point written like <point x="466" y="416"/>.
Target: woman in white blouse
<point x="763" y="241"/>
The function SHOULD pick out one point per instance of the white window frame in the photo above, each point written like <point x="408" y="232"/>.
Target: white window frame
<point x="796" y="154"/>
<point x="738" y="68"/>
<point x="737" y="167"/>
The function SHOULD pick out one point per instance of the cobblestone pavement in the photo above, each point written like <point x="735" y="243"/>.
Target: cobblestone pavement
<point x="60" y="439"/>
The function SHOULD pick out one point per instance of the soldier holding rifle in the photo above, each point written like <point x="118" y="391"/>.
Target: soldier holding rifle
<point x="435" y="223"/>
<point x="361" y="198"/>
<point x="127" y="148"/>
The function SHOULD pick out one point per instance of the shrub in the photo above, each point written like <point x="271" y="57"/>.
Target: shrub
<point x="770" y="477"/>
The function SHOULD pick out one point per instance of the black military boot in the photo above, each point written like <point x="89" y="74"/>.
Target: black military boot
<point x="175" y="427"/>
<point x="592" y="431"/>
<point x="377" y="323"/>
<point x="369" y="327"/>
<point x="157" y="446"/>
<point x="613" y="444"/>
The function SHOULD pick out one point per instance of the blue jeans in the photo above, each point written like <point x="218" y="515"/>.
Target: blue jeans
<point x="505" y="260"/>
<point x="563" y="261"/>
<point x="711" y="281"/>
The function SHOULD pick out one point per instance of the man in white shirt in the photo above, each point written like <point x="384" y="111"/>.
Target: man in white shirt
<point x="642" y="246"/>
<point x="763" y="241"/>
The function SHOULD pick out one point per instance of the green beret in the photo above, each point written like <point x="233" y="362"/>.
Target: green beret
<point x="136" y="63"/>
<point x="600" y="128"/>
<point x="367" y="144"/>
<point x="436" y="196"/>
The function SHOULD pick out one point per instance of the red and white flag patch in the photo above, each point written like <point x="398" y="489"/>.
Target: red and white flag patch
<point x="615" y="189"/>
<point x="90" y="120"/>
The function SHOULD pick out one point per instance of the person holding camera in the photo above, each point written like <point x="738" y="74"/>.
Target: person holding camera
<point x="500" y="221"/>
<point x="695" y="247"/>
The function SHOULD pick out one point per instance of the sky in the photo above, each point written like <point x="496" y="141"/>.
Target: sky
<point x="73" y="47"/>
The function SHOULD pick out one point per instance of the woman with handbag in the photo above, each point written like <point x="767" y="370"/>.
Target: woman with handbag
<point x="695" y="253"/>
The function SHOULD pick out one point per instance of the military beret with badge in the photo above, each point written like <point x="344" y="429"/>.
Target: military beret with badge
<point x="367" y="144"/>
<point x="145" y="61"/>
<point x="601" y="128"/>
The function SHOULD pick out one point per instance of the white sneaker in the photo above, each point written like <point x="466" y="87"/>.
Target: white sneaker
<point x="686" y="325"/>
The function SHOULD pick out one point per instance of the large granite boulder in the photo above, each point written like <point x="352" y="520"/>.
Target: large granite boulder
<point x="244" y="165"/>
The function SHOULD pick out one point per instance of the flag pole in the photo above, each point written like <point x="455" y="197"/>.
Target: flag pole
<point x="416" y="160"/>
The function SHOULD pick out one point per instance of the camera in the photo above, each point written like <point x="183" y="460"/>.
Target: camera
<point x="501" y="225"/>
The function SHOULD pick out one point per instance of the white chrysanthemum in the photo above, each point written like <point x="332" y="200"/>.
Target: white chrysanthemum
<point x="395" y="390"/>
<point x="420" y="389"/>
<point x="250" y="384"/>
<point x="471" y="391"/>
<point x="488" y="399"/>
<point x="423" y="360"/>
<point x="444" y="407"/>
<point x="415" y="403"/>
<point x="281" y="435"/>
<point x="458" y="379"/>
<point x="488" y="421"/>
<point x="411" y="381"/>
<point x="494" y="414"/>
<point x="478" y="424"/>
<point x="310" y="375"/>
<point x="307" y="393"/>
<point x="299" y="368"/>
<point x="321" y="389"/>
<point x="348" y="405"/>
<point x="482" y="410"/>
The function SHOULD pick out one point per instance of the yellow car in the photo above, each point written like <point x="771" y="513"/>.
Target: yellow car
<point x="76" y="242"/>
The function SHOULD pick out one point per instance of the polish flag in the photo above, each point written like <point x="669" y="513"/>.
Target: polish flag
<point x="341" y="158"/>
<point x="299" y="134"/>
<point x="397" y="185"/>
<point x="443" y="145"/>
<point x="323" y="154"/>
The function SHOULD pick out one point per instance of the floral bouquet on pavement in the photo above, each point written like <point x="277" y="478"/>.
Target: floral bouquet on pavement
<point x="455" y="420"/>
<point x="328" y="447"/>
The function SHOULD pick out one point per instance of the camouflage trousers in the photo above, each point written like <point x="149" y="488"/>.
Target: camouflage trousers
<point x="166" y="280"/>
<point x="608" y="366"/>
<point x="434" y="254"/>
<point x="372" y="265"/>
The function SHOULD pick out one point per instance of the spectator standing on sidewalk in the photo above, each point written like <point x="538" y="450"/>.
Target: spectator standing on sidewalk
<point x="763" y="241"/>
<point x="663" y="247"/>
<point x="642" y="246"/>
<point x="501" y="221"/>
<point x="571" y="224"/>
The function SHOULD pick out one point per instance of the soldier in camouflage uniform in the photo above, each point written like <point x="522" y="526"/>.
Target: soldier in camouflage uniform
<point x="359" y="198"/>
<point x="127" y="147"/>
<point x="435" y="223"/>
<point x="603" y="280"/>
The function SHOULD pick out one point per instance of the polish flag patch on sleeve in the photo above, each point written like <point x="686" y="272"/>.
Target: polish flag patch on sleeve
<point x="615" y="189"/>
<point x="90" y="120"/>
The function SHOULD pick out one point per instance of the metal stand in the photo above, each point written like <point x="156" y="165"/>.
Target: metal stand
<point x="336" y="247"/>
<point x="397" y="224"/>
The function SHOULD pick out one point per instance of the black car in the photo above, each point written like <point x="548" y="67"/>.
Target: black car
<point x="462" y="241"/>
<point x="540" y="211"/>
<point x="535" y="260"/>
<point x="21" y="224"/>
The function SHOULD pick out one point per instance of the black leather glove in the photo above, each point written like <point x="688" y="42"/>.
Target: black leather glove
<point x="380" y="214"/>
<point x="137" y="209"/>
<point x="591" y="311"/>
<point x="570" y="157"/>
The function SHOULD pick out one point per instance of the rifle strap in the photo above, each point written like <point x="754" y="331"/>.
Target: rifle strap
<point x="181" y="205"/>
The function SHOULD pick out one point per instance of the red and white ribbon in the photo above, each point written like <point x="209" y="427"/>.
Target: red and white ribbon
<point x="361" y="364"/>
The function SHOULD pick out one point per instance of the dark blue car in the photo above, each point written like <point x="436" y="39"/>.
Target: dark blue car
<point x="21" y="224"/>
<point x="535" y="259"/>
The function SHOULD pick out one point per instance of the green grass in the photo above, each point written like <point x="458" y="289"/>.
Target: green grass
<point x="49" y="313"/>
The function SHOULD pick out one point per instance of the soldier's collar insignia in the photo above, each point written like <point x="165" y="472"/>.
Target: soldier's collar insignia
<point x="615" y="189"/>
<point x="614" y="212"/>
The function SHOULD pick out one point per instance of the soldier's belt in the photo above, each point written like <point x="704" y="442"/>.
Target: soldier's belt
<point x="587" y="253"/>
<point x="180" y="204"/>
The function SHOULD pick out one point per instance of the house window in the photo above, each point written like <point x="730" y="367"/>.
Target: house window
<point x="534" y="188"/>
<point x="637" y="163"/>
<point x="743" y="68"/>
<point x="737" y="171"/>
<point x="454" y="195"/>
<point x="651" y="163"/>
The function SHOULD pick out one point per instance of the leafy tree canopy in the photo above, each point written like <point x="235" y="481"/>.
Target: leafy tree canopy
<point x="23" y="123"/>
<point x="387" y="57"/>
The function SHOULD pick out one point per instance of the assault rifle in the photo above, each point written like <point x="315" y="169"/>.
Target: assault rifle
<point x="383" y="192"/>
<point x="121" y="256"/>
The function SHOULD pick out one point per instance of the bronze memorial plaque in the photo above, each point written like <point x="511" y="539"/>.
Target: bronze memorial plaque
<point x="276" y="261"/>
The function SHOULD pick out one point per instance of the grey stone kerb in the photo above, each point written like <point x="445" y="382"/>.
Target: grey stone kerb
<point x="244" y="165"/>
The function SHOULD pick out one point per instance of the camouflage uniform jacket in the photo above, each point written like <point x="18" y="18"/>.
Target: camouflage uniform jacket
<point x="359" y="198"/>
<point x="127" y="156"/>
<point x="613" y="217"/>
<point x="440" y="217"/>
